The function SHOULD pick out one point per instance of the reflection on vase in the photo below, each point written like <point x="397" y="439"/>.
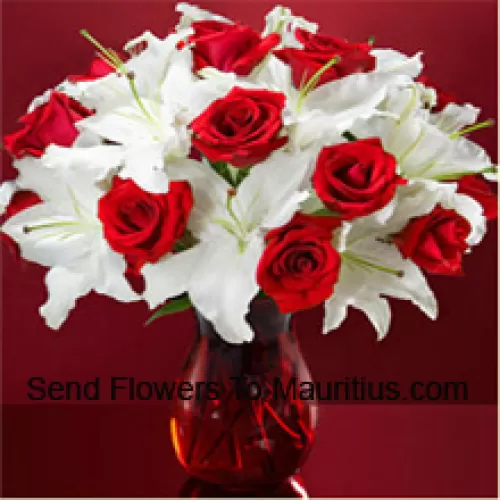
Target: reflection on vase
<point x="293" y="487"/>
<point x="245" y="435"/>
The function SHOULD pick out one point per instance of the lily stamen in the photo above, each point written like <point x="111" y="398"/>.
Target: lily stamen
<point x="371" y="265"/>
<point x="478" y="126"/>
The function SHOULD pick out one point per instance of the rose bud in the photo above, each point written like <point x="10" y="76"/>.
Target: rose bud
<point x="299" y="266"/>
<point x="354" y="179"/>
<point x="320" y="49"/>
<point x="229" y="47"/>
<point x="144" y="226"/>
<point x="50" y="123"/>
<point x="242" y="128"/>
<point x="436" y="242"/>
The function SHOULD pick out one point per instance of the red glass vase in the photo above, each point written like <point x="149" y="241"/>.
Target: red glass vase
<point x="246" y="427"/>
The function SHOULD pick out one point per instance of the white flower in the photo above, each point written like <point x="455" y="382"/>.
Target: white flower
<point x="7" y="190"/>
<point x="191" y="13"/>
<point x="281" y="20"/>
<point x="64" y="234"/>
<point x="140" y="130"/>
<point x="426" y="145"/>
<point x="372" y="266"/>
<point x="321" y="115"/>
<point x="149" y="69"/>
<point x="146" y="137"/>
<point x="219" y="273"/>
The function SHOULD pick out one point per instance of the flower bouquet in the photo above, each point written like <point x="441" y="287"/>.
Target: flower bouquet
<point x="222" y="167"/>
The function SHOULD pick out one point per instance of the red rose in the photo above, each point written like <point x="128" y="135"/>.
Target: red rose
<point x="98" y="69"/>
<point x="355" y="178"/>
<point x="144" y="226"/>
<point x="50" y="123"/>
<point x="299" y="266"/>
<point x="229" y="47"/>
<point x="21" y="200"/>
<point x="443" y="97"/>
<point x="242" y="128"/>
<point x="435" y="242"/>
<point x="476" y="187"/>
<point x="318" y="50"/>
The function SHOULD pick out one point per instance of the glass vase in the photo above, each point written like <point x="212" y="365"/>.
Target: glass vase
<point x="245" y="427"/>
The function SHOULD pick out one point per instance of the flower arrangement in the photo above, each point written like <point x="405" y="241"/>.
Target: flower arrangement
<point x="220" y="163"/>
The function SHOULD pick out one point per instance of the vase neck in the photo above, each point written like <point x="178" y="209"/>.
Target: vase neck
<point x="264" y="317"/>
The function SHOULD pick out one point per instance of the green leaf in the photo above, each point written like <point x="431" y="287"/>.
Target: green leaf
<point x="233" y="175"/>
<point x="220" y="167"/>
<point x="325" y="212"/>
<point x="173" y="306"/>
<point x="349" y="136"/>
<point x="242" y="174"/>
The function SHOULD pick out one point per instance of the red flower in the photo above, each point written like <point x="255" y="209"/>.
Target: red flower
<point x="436" y="241"/>
<point x="355" y="178"/>
<point x="50" y="123"/>
<point x="98" y="69"/>
<point x="443" y="96"/>
<point x="476" y="187"/>
<point x="299" y="266"/>
<point x="144" y="226"/>
<point x="318" y="50"/>
<point x="21" y="200"/>
<point x="242" y="128"/>
<point x="229" y="47"/>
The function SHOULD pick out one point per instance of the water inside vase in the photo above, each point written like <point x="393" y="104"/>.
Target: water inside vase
<point x="245" y="425"/>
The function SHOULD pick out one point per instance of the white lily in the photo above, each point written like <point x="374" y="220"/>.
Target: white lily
<point x="219" y="273"/>
<point x="7" y="191"/>
<point x="320" y="115"/>
<point x="372" y="266"/>
<point x="426" y="145"/>
<point x="191" y="13"/>
<point x="149" y="68"/>
<point x="64" y="234"/>
<point x="282" y="21"/>
<point x="146" y="136"/>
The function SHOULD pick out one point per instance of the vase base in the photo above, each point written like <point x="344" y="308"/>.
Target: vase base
<point x="293" y="487"/>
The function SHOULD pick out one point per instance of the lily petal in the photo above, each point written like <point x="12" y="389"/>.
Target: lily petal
<point x="224" y="286"/>
<point x="170" y="276"/>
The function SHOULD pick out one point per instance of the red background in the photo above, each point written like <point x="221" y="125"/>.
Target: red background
<point x="362" y="450"/>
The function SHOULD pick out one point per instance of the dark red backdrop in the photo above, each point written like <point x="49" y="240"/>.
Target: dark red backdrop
<point x="370" y="450"/>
